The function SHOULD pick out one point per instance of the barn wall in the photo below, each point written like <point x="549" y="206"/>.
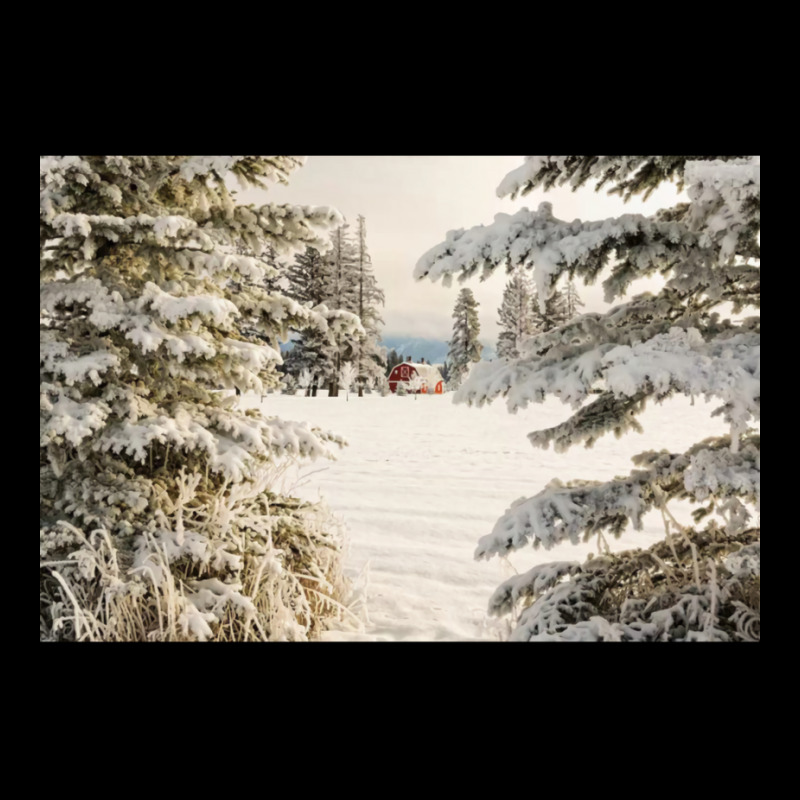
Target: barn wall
<point x="394" y="375"/>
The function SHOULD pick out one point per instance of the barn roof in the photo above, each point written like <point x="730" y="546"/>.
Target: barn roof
<point x="426" y="371"/>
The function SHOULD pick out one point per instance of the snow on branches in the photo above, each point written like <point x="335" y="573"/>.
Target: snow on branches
<point x="663" y="593"/>
<point x="566" y="512"/>
<point x="607" y="367"/>
<point x="147" y="322"/>
<point x="728" y="368"/>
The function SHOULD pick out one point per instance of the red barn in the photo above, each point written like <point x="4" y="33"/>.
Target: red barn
<point x="432" y="381"/>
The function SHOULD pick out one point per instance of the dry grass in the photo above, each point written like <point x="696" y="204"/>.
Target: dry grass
<point x="237" y="564"/>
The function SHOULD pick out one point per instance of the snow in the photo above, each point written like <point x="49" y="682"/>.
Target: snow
<point x="552" y="246"/>
<point x="429" y="374"/>
<point x="517" y="178"/>
<point x="173" y="308"/>
<point x="421" y="482"/>
<point x="723" y="188"/>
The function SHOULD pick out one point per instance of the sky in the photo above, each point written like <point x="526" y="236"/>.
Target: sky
<point x="411" y="202"/>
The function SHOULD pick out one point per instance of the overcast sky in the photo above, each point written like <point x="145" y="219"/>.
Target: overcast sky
<point x="410" y="202"/>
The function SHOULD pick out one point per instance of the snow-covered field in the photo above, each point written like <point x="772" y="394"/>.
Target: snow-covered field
<point x="423" y="479"/>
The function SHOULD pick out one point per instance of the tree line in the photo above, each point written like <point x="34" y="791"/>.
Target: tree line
<point x="339" y="280"/>
<point x="342" y="279"/>
<point x="521" y="316"/>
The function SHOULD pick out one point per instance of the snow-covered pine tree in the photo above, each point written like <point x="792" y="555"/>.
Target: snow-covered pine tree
<point x="554" y="311"/>
<point x="702" y="581"/>
<point x="516" y="315"/>
<point x="465" y="349"/>
<point x="158" y="519"/>
<point x="269" y="279"/>
<point x="309" y="280"/>
<point x="342" y="294"/>
<point x="343" y="280"/>
<point x="369" y="357"/>
<point x="269" y="259"/>
<point x="308" y="277"/>
<point x="573" y="299"/>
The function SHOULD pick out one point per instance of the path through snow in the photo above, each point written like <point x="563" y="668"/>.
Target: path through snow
<point x="423" y="479"/>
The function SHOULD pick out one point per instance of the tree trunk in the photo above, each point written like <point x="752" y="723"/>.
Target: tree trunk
<point x="333" y="391"/>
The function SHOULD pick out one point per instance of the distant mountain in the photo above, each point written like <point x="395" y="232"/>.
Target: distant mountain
<point x="432" y="350"/>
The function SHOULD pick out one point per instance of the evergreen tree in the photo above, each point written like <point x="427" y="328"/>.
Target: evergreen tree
<point x="554" y="311"/>
<point x="309" y="279"/>
<point x="465" y="349"/>
<point x="573" y="300"/>
<point x="269" y="262"/>
<point x="157" y="516"/>
<point x="370" y="359"/>
<point x="516" y="315"/>
<point x="342" y="280"/>
<point x="703" y="580"/>
<point x="392" y="360"/>
<point x="342" y="294"/>
<point x="269" y="280"/>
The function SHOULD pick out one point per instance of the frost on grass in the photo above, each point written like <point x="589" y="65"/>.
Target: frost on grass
<point x="607" y="368"/>
<point x="158" y="513"/>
